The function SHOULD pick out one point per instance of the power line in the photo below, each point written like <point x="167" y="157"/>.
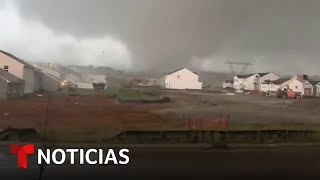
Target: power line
<point x="244" y="66"/>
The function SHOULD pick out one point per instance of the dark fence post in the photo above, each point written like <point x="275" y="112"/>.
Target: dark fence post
<point x="220" y="122"/>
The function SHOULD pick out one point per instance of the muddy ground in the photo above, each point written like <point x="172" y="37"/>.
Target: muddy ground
<point x="98" y="117"/>
<point x="245" y="111"/>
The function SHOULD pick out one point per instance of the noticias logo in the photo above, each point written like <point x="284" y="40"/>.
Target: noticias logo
<point x="59" y="156"/>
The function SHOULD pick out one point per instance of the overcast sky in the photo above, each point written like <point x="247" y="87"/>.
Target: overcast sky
<point x="277" y="35"/>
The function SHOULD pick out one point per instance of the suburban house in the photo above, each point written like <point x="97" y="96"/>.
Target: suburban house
<point x="181" y="79"/>
<point x="227" y="84"/>
<point x="246" y="81"/>
<point x="50" y="76"/>
<point x="253" y="81"/>
<point x="10" y="85"/>
<point x="262" y="77"/>
<point x="273" y="86"/>
<point x="296" y="83"/>
<point x="312" y="88"/>
<point x="84" y="80"/>
<point x="22" y="70"/>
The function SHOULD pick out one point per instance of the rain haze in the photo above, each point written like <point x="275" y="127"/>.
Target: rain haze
<point x="279" y="36"/>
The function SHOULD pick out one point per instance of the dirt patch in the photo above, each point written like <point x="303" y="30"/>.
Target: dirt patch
<point x="85" y="118"/>
<point x="98" y="117"/>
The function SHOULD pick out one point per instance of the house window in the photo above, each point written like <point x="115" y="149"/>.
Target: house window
<point x="178" y="76"/>
<point x="272" y="85"/>
<point x="244" y="80"/>
<point x="296" y="87"/>
<point x="6" y="68"/>
<point x="235" y="80"/>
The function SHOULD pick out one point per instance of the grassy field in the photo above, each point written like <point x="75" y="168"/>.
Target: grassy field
<point x="130" y="94"/>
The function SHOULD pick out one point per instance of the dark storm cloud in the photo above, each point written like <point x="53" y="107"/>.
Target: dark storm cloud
<point x="164" y="34"/>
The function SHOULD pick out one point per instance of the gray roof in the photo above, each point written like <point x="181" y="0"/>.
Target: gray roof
<point x="263" y="74"/>
<point x="179" y="70"/>
<point x="17" y="59"/>
<point x="314" y="83"/>
<point x="278" y="81"/>
<point x="8" y="76"/>
<point x="244" y="75"/>
<point x="281" y="80"/>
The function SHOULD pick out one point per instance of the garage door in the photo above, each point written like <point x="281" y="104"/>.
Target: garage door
<point x="307" y="91"/>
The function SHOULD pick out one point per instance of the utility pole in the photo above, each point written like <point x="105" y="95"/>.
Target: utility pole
<point x="244" y="66"/>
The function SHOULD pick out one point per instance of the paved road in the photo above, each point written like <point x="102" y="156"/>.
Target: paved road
<point x="196" y="163"/>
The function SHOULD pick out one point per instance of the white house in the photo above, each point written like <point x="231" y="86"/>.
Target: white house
<point x="246" y="81"/>
<point x="296" y="84"/>
<point x="262" y="77"/>
<point x="312" y="88"/>
<point x="227" y="84"/>
<point x="273" y="86"/>
<point x="253" y="81"/>
<point x="20" y="69"/>
<point x="181" y="79"/>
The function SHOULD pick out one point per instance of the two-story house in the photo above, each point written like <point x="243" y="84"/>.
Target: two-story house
<point x="20" y="69"/>
<point x="262" y="77"/>
<point x="181" y="79"/>
<point x="246" y="81"/>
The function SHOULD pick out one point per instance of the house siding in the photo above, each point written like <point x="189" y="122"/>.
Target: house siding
<point x="182" y="79"/>
<point x="49" y="83"/>
<point x="16" y="68"/>
<point x="270" y="76"/>
<point x="296" y="86"/>
<point x="10" y="89"/>
<point x="245" y="83"/>
<point x="21" y="71"/>
<point x="29" y="78"/>
<point x="227" y="85"/>
<point x="15" y="89"/>
<point x="3" y="89"/>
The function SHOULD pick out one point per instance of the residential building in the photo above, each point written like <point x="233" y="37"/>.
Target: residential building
<point x="254" y="81"/>
<point x="227" y="84"/>
<point x="313" y="88"/>
<point x="10" y="85"/>
<point x="50" y="76"/>
<point x="20" y="69"/>
<point x="273" y="86"/>
<point x="181" y="79"/>
<point x="49" y="82"/>
<point x="296" y="83"/>
<point x="246" y="82"/>
<point x="262" y="77"/>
